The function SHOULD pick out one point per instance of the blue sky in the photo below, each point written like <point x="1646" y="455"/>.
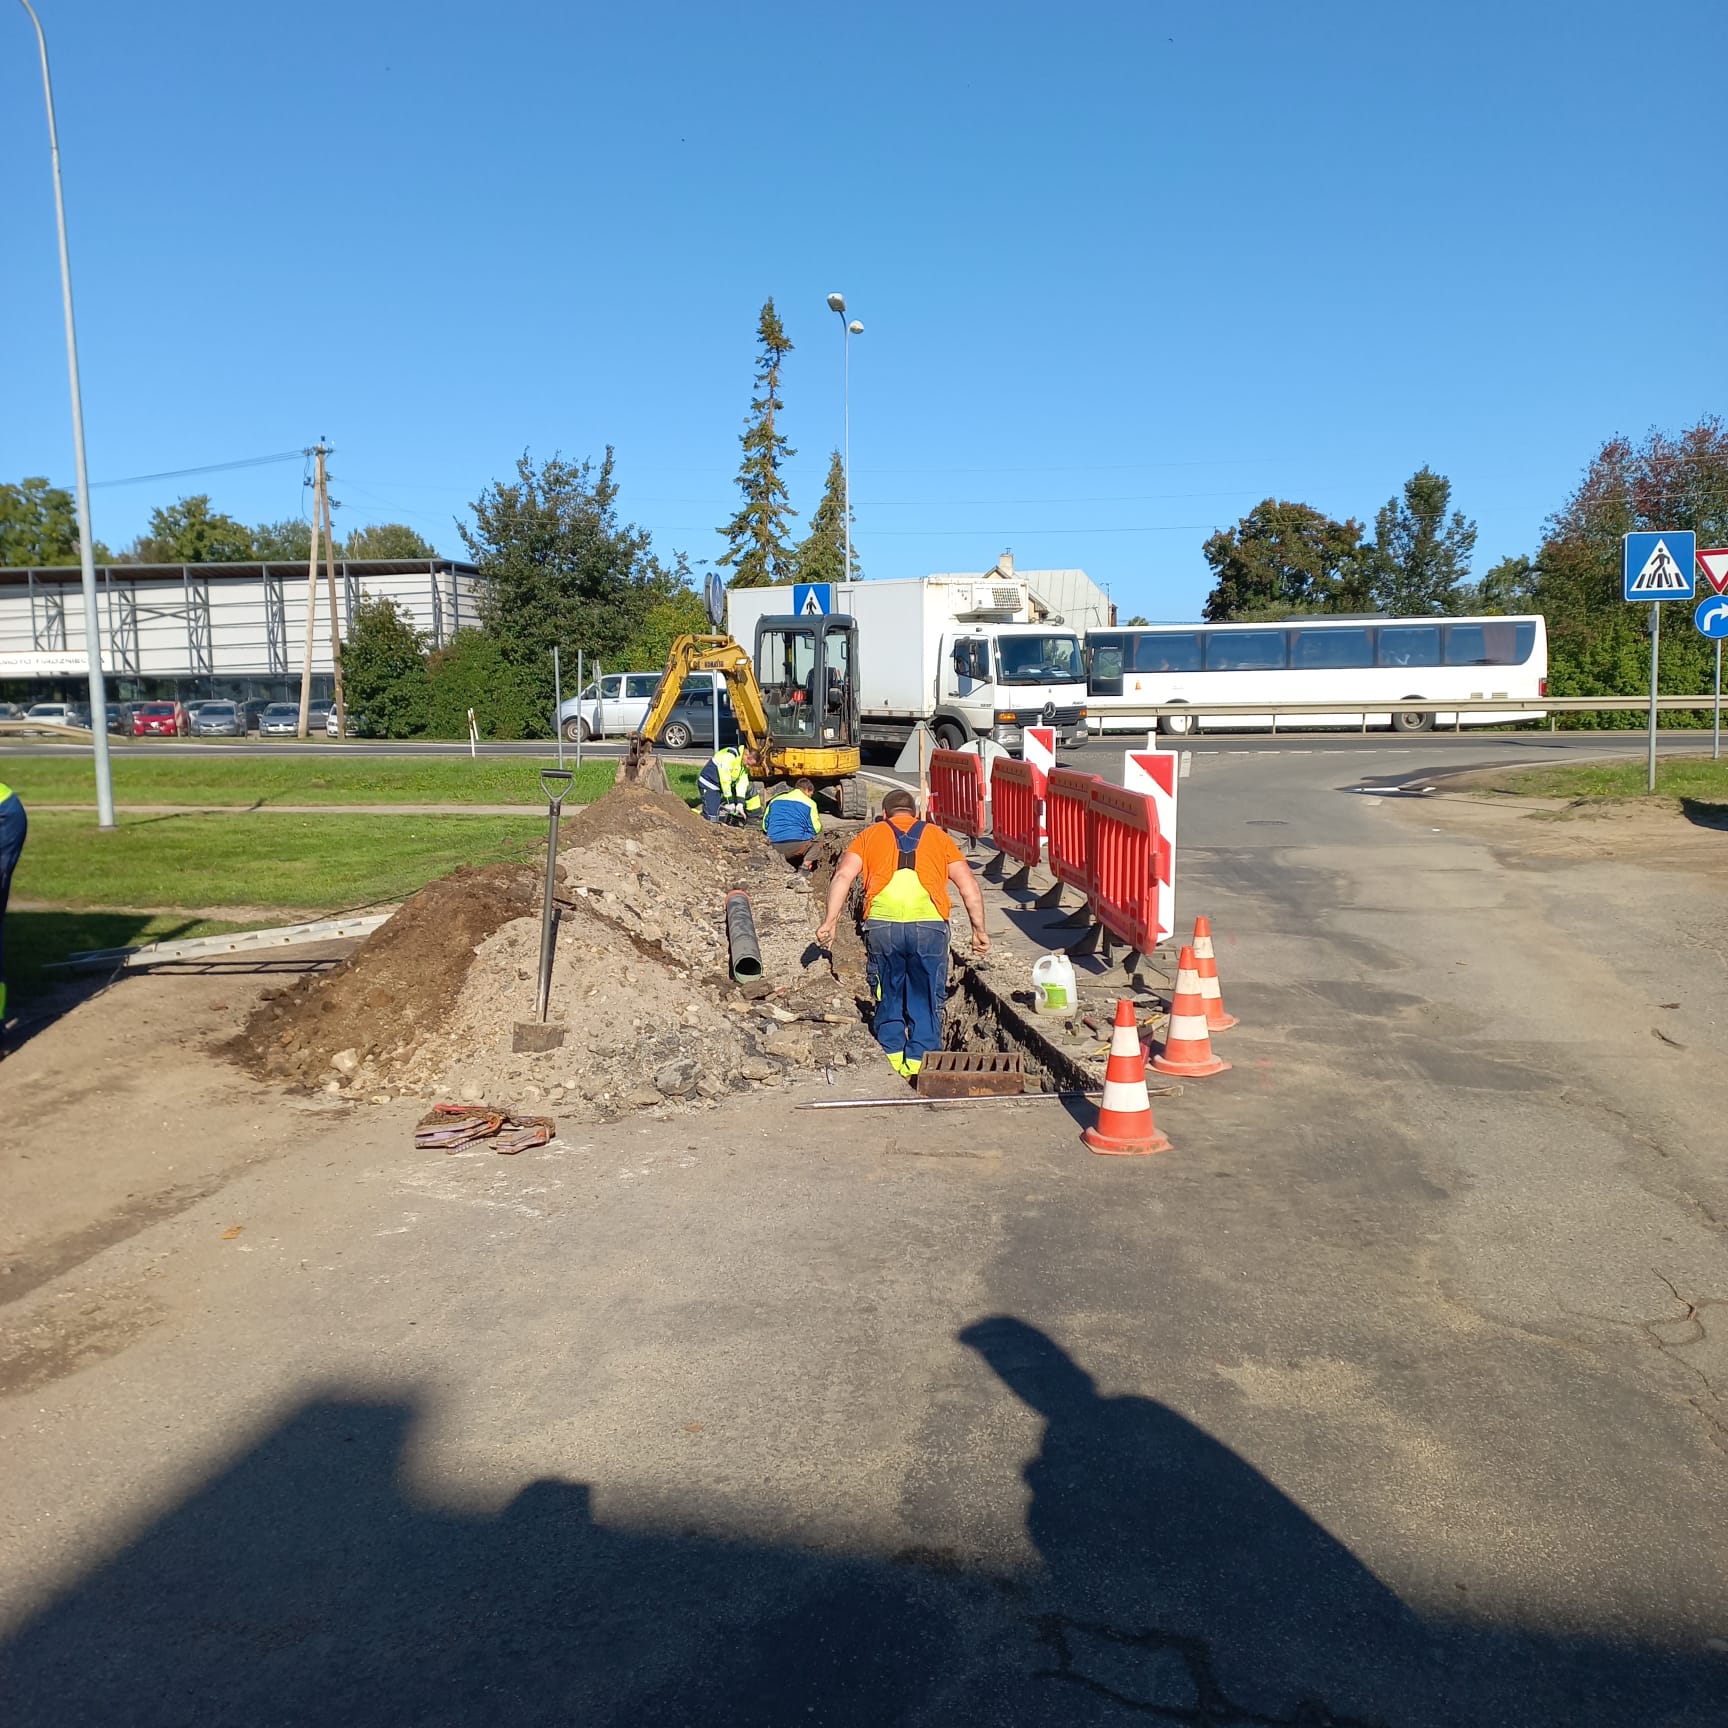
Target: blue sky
<point x="1124" y="270"/>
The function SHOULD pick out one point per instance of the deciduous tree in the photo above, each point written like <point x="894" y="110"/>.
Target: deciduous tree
<point x="190" y="532"/>
<point x="288" y="541"/>
<point x="384" y="668"/>
<point x="756" y="550"/>
<point x="39" y="525"/>
<point x="386" y="540"/>
<point x="1284" y="557"/>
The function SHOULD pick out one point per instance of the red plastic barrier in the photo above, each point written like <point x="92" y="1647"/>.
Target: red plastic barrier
<point x="1128" y="859"/>
<point x="1068" y="817"/>
<point x="957" y="792"/>
<point x="1015" y="809"/>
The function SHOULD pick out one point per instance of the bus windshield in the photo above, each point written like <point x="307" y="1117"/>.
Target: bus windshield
<point x="1039" y="659"/>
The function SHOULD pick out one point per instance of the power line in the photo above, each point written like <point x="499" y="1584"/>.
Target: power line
<point x="207" y="468"/>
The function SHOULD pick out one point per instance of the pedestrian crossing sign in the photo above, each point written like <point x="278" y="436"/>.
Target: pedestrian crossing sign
<point x="1659" y="566"/>
<point x="812" y="599"/>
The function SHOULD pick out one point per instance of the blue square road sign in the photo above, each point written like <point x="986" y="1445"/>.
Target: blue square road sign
<point x="1659" y="566"/>
<point x="812" y="598"/>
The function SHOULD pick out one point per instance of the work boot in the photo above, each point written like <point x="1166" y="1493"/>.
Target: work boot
<point x="897" y="1061"/>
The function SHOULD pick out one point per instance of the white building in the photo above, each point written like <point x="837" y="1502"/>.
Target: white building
<point x="1070" y="595"/>
<point x="232" y="630"/>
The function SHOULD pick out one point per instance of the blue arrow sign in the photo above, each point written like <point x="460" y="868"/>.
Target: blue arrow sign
<point x="812" y="598"/>
<point x="1659" y="566"/>
<point x="1712" y="617"/>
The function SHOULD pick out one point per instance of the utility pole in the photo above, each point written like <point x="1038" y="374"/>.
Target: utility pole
<point x="318" y="452"/>
<point x="335" y="616"/>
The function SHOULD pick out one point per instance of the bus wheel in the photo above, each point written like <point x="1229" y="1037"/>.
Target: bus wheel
<point x="1175" y="725"/>
<point x="1417" y="722"/>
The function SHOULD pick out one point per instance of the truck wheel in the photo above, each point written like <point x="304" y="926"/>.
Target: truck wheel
<point x="675" y="736"/>
<point x="854" y="799"/>
<point x="1417" y="722"/>
<point x="577" y="731"/>
<point x="948" y="735"/>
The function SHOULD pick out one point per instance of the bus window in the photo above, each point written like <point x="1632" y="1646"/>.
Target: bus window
<point x="1497" y="642"/>
<point x="1105" y="678"/>
<point x="1409" y="644"/>
<point x="1313" y="650"/>
<point x="1174" y="651"/>
<point x="1245" y="651"/>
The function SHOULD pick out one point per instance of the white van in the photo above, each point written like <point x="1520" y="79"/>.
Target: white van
<point x="619" y="703"/>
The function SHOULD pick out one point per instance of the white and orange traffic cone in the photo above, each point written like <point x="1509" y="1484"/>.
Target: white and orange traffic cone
<point x="1187" y="1045"/>
<point x="1125" y="1124"/>
<point x="1206" y="966"/>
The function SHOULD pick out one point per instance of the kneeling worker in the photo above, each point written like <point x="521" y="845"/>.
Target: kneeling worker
<point x="908" y="867"/>
<point x="725" y="787"/>
<point x="792" y="823"/>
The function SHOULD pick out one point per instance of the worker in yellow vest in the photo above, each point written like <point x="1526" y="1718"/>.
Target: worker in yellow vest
<point x="908" y="868"/>
<point x="12" y="830"/>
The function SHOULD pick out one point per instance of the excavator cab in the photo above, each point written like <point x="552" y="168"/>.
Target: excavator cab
<point x="807" y="669"/>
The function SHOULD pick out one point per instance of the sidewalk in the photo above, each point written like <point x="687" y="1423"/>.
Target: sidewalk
<point x="446" y="809"/>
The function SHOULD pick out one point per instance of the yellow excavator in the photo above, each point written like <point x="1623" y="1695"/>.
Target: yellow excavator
<point x="795" y="704"/>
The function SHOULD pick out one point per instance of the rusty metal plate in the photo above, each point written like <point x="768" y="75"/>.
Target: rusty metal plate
<point x="972" y="1074"/>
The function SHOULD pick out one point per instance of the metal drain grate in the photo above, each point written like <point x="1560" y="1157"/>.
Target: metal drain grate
<point x="972" y="1074"/>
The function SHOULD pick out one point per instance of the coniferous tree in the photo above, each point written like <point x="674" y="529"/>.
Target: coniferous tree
<point x="1420" y="559"/>
<point x="756" y="550"/>
<point x="821" y="554"/>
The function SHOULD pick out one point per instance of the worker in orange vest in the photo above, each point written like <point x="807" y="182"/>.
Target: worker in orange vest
<point x="908" y="868"/>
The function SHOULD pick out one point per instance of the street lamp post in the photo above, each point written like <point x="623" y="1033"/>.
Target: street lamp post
<point x="837" y="304"/>
<point x="86" y="543"/>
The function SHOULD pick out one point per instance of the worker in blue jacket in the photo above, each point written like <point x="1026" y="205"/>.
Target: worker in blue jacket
<point x="792" y="823"/>
<point x="12" y="830"/>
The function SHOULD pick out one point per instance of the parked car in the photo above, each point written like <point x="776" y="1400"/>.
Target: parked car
<point x="690" y="725"/>
<point x="11" y="711"/>
<point x="119" y="721"/>
<point x="318" y="716"/>
<point x="193" y="707"/>
<point x="159" y="720"/>
<point x="50" y="713"/>
<point x="356" y="724"/>
<point x="619" y="703"/>
<point x="280" y="720"/>
<point x="252" y="710"/>
<point x="219" y="720"/>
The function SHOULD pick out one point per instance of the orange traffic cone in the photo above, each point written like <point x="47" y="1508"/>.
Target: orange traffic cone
<point x="1125" y="1118"/>
<point x="1206" y="965"/>
<point x="1187" y="1047"/>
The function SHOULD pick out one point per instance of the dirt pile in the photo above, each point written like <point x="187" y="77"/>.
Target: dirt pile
<point x="640" y="979"/>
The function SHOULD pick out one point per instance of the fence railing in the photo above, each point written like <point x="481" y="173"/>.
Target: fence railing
<point x="1544" y="706"/>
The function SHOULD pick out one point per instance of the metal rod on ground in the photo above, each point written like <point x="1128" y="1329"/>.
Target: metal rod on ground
<point x="1655" y="656"/>
<point x="985" y="1098"/>
<point x="554" y="782"/>
<point x="557" y="706"/>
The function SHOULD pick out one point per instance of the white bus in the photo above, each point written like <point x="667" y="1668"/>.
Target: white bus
<point x="1367" y="665"/>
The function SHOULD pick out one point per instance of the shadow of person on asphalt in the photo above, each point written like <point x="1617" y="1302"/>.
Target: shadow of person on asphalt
<point x="307" y="1582"/>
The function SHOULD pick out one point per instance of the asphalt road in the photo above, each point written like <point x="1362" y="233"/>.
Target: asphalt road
<point x="1393" y="1394"/>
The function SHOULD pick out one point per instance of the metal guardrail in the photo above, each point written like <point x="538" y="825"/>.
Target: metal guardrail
<point x="45" y="729"/>
<point x="1545" y="707"/>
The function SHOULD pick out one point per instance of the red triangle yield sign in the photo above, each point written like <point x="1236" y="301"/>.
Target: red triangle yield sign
<point x="1713" y="561"/>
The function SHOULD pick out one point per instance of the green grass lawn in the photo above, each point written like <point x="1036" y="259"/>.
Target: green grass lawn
<point x="243" y="780"/>
<point x="1693" y="777"/>
<point x="247" y="780"/>
<point x="311" y="863"/>
<point x="35" y="939"/>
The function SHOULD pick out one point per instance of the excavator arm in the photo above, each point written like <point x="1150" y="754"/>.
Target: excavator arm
<point x="710" y="654"/>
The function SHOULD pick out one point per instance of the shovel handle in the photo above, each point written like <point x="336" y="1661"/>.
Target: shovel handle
<point x="555" y="783"/>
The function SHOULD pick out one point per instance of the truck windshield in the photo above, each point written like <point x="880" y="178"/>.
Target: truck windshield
<point x="1039" y="659"/>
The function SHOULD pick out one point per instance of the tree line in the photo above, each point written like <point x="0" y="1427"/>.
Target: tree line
<point x="1285" y="559"/>
<point x="39" y="529"/>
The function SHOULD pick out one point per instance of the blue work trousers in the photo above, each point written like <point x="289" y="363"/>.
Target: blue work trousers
<point x="12" y="829"/>
<point x="909" y="980"/>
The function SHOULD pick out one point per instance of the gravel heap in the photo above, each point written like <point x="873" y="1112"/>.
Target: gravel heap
<point x="640" y="980"/>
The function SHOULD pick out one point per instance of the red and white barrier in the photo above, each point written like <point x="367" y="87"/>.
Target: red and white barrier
<point x="1155" y="772"/>
<point x="1016" y="810"/>
<point x="957" y="792"/>
<point x="1038" y="750"/>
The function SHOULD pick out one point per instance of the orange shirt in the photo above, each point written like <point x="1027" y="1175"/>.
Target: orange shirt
<point x="880" y="856"/>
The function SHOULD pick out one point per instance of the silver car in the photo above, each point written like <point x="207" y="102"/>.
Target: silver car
<point x="220" y="720"/>
<point x="280" y="720"/>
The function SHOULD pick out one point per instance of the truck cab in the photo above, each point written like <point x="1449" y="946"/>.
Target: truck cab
<point x="998" y="679"/>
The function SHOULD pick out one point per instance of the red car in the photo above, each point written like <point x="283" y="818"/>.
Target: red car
<point x="160" y="720"/>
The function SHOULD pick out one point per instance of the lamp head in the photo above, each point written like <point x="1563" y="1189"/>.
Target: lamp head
<point x="855" y="328"/>
<point x="837" y="303"/>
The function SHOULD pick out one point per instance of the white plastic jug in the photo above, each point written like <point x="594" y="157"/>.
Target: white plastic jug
<point x="1053" y="980"/>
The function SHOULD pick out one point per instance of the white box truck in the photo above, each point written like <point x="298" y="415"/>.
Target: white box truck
<point x="971" y="657"/>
